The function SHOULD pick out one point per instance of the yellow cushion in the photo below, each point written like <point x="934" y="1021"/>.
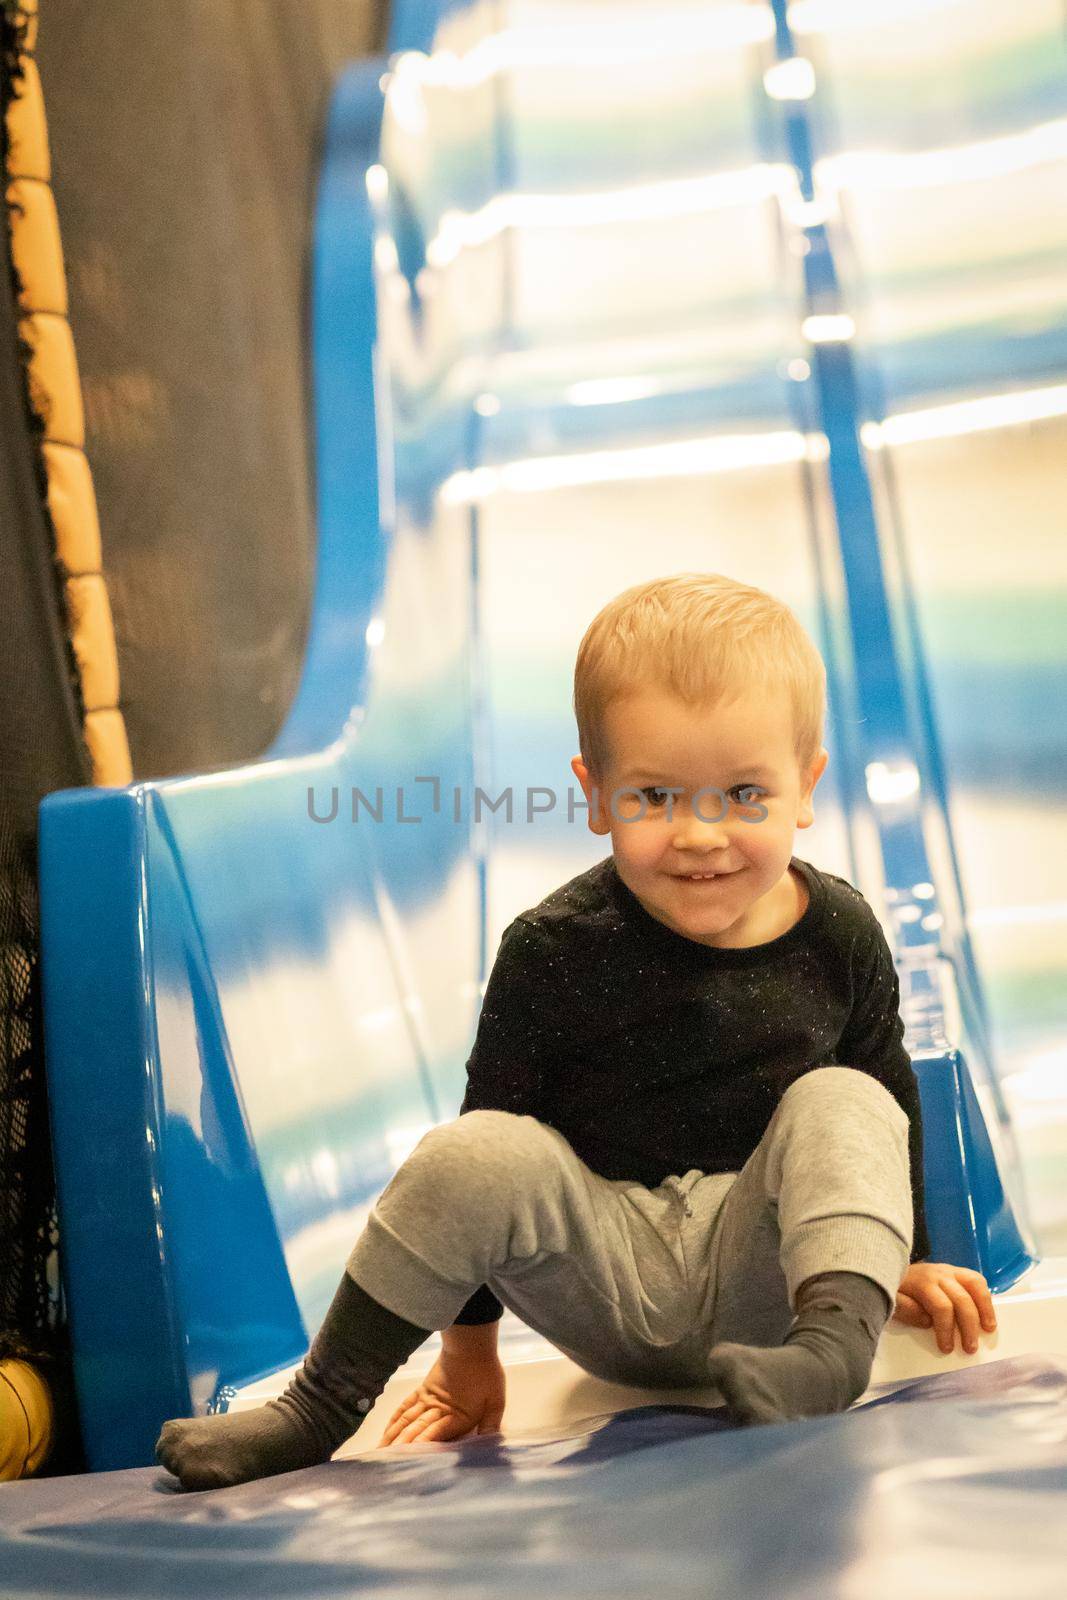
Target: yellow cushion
<point x="27" y="1419"/>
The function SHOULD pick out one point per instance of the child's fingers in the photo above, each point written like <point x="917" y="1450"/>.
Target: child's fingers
<point x="404" y="1413"/>
<point x="416" y="1423"/>
<point x="966" y="1314"/>
<point x="392" y="1427"/>
<point x="416" y="1429"/>
<point x="910" y="1312"/>
<point x="942" y="1313"/>
<point x="446" y="1428"/>
<point x="979" y="1292"/>
<point x="391" y="1433"/>
<point x="408" y="1403"/>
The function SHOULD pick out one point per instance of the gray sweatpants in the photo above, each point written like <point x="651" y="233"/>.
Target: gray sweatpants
<point x="637" y="1284"/>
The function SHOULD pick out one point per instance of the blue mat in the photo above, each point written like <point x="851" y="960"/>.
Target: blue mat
<point x="952" y="1486"/>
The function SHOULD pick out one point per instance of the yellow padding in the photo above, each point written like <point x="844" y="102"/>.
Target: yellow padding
<point x="105" y="735"/>
<point x="55" y="392"/>
<point x="27" y="129"/>
<point x="92" y="636"/>
<point x="27" y="1420"/>
<point x="35" y="247"/>
<point x="56" y="397"/>
<point x="72" y="504"/>
<point x="28" y="11"/>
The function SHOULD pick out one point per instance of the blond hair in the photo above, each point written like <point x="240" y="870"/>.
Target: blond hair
<point x="705" y="638"/>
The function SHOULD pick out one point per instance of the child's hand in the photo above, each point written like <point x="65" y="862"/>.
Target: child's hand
<point x="460" y="1394"/>
<point x="935" y="1294"/>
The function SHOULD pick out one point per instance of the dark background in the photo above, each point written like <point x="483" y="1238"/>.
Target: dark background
<point x="185" y="141"/>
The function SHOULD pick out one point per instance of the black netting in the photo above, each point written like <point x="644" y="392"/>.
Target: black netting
<point x="40" y="750"/>
<point x="27" y="1209"/>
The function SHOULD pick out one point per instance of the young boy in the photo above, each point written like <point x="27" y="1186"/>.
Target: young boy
<point x="690" y="1150"/>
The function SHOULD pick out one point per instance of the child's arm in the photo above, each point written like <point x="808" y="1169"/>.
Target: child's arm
<point x="505" y="1069"/>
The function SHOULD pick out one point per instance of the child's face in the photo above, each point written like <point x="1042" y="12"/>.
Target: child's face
<point x="746" y="750"/>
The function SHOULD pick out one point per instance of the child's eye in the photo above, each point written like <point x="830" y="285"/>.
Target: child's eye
<point x="747" y="788"/>
<point x="656" y="804"/>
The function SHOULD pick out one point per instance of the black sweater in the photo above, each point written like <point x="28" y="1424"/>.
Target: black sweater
<point x="652" y="1053"/>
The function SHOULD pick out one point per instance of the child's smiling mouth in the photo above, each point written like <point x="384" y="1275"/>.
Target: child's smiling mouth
<point x="704" y="877"/>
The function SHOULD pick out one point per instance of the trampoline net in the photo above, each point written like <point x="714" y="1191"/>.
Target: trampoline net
<point x="27" y="1201"/>
<point x="40" y="750"/>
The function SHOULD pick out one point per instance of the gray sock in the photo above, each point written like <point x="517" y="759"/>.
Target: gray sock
<point x="825" y="1362"/>
<point x="355" y="1353"/>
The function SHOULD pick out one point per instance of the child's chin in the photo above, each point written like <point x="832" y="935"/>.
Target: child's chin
<point x="697" y="918"/>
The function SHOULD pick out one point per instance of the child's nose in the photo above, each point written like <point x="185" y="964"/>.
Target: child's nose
<point x="700" y="826"/>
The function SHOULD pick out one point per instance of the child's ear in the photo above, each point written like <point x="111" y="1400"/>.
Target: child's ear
<point x="597" y="814"/>
<point x="806" y="814"/>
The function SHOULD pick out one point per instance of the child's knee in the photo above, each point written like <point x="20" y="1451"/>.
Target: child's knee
<point x="839" y="1083"/>
<point x="481" y="1149"/>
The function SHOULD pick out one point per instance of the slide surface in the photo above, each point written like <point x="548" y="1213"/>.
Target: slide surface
<point x="953" y="1485"/>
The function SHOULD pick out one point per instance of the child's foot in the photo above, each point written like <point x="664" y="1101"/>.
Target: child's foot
<point x="824" y="1364"/>
<point x="358" y="1348"/>
<point x="215" y="1452"/>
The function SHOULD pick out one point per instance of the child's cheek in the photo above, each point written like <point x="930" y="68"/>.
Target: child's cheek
<point x="643" y="842"/>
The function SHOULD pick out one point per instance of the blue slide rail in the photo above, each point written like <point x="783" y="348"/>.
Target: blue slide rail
<point x="253" y="1004"/>
<point x="893" y="763"/>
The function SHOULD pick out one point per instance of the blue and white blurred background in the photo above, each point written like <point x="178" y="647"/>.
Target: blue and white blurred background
<point x="598" y="339"/>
